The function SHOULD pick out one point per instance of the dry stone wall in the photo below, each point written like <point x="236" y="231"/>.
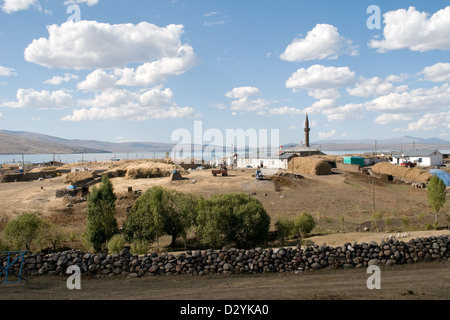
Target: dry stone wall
<point x="239" y="261"/>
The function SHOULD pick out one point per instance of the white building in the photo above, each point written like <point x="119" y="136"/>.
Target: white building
<point x="254" y="160"/>
<point x="422" y="158"/>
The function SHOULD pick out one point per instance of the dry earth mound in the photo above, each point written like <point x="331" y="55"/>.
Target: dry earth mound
<point x="309" y="165"/>
<point x="409" y="174"/>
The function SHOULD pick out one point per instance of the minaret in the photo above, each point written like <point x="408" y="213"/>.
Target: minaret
<point x="307" y="130"/>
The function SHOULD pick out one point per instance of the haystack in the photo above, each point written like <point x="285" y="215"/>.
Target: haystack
<point x="309" y="165"/>
<point x="43" y="170"/>
<point x="409" y="174"/>
<point x="150" y="169"/>
<point x="79" y="177"/>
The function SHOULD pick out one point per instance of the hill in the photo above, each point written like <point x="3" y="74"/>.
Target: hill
<point x="16" y="142"/>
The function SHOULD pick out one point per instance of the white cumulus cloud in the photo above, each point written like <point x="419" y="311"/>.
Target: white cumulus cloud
<point x="30" y="98"/>
<point x="10" y="6"/>
<point x="417" y="100"/>
<point x="430" y="121"/>
<point x="374" y="87"/>
<point x="242" y="92"/>
<point x="98" y="80"/>
<point x="57" y="80"/>
<point x="417" y="31"/>
<point x="321" y="77"/>
<point x="90" y="44"/>
<point x="347" y="112"/>
<point x="327" y="135"/>
<point x="386" y="118"/>
<point x="90" y="3"/>
<point x="322" y="42"/>
<point x="121" y="104"/>
<point x="439" y="72"/>
<point x="155" y="72"/>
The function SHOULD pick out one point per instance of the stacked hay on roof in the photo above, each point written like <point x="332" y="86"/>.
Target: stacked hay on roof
<point x="406" y="174"/>
<point x="308" y="165"/>
<point x="79" y="178"/>
<point x="151" y="169"/>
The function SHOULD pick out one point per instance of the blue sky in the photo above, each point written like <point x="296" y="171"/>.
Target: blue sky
<point x="139" y="70"/>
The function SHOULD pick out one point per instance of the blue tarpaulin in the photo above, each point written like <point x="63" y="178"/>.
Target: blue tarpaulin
<point x="445" y="176"/>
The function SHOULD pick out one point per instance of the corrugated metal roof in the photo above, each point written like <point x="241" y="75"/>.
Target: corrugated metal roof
<point x="419" y="153"/>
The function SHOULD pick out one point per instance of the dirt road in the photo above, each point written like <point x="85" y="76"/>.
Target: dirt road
<point x="422" y="281"/>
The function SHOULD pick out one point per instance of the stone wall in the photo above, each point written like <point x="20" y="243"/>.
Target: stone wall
<point x="239" y="261"/>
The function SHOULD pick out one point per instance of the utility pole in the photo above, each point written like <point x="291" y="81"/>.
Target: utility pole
<point x="373" y="196"/>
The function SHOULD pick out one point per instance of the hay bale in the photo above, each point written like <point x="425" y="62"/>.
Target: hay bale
<point x="407" y="174"/>
<point x="79" y="177"/>
<point x="151" y="169"/>
<point x="309" y="165"/>
<point x="43" y="170"/>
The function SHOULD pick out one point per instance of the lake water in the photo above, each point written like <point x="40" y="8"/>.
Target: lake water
<point x="100" y="157"/>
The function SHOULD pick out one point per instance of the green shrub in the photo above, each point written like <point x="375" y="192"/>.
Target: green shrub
<point x="303" y="224"/>
<point x="50" y="236"/>
<point x="284" y="228"/>
<point x="406" y="221"/>
<point x="430" y="226"/>
<point x="232" y="219"/>
<point x="3" y="246"/>
<point x="388" y="222"/>
<point x="116" y="243"/>
<point x="23" y="231"/>
<point x="140" y="247"/>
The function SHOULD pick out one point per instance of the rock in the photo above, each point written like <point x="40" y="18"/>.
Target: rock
<point x="373" y="262"/>
<point x="124" y="252"/>
<point x="153" y="269"/>
<point x="62" y="260"/>
<point x="315" y="266"/>
<point x="227" y="267"/>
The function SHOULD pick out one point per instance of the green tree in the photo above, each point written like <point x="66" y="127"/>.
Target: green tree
<point x="101" y="220"/>
<point x="161" y="211"/>
<point x="232" y="219"/>
<point x="50" y="236"/>
<point x="436" y="194"/>
<point x="303" y="224"/>
<point x="22" y="231"/>
<point x="284" y="228"/>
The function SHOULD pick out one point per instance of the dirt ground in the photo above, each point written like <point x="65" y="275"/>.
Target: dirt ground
<point x="422" y="281"/>
<point x="340" y="203"/>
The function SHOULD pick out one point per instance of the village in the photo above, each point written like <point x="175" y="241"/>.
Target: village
<point x="342" y="192"/>
<point x="354" y="200"/>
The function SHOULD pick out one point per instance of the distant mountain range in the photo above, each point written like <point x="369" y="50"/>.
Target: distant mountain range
<point x="399" y="143"/>
<point x="17" y="142"/>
